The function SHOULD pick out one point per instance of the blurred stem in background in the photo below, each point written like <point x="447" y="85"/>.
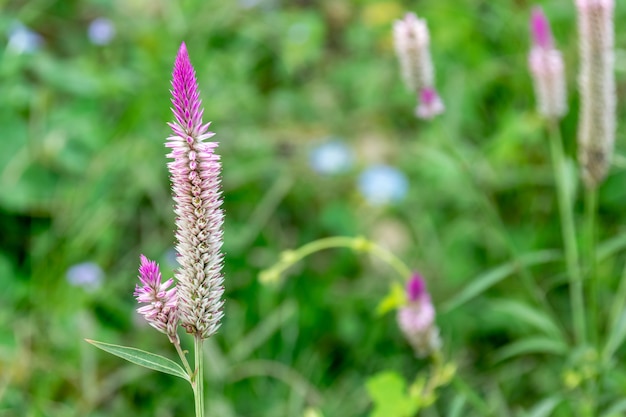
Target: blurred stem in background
<point x="358" y="244"/>
<point x="565" y="200"/>
<point x="591" y="207"/>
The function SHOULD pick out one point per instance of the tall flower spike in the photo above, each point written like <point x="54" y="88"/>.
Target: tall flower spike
<point x="596" y="82"/>
<point x="160" y="300"/>
<point x="416" y="319"/>
<point x="412" y="44"/>
<point x="195" y="176"/>
<point x="547" y="68"/>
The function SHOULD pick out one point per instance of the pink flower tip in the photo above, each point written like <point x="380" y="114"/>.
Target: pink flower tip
<point x="430" y="104"/>
<point x="415" y="288"/>
<point x="540" y="29"/>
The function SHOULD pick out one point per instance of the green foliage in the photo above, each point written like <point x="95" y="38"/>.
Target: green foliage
<point x="83" y="179"/>
<point x="143" y="358"/>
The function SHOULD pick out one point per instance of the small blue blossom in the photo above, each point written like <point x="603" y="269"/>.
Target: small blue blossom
<point x="383" y="184"/>
<point x="87" y="275"/>
<point x="101" y="31"/>
<point x="331" y="158"/>
<point x="23" y="40"/>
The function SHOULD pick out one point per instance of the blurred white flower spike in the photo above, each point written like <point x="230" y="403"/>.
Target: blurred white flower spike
<point x="412" y="43"/>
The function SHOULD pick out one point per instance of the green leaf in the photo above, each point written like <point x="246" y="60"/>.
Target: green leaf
<point x="389" y="394"/>
<point x="488" y="279"/>
<point x="611" y="247"/>
<point x="616" y="410"/>
<point x="143" y="358"/>
<point x="544" y="408"/>
<point x="393" y="300"/>
<point x="617" y="335"/>
<point x="531" y="316"/>
<point x="530" y="345"/>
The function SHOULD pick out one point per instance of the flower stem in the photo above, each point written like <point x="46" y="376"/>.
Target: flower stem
<point x="591" y="204"/>
<point x="198" y="380"/>
<point x="358" y="244"/>
<point x="183" y="359"/>
<point x="568" y="230"/>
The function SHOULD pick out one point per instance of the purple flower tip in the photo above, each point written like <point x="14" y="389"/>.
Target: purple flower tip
<point x="540" y="29"/>
<point x="415" y="288"/>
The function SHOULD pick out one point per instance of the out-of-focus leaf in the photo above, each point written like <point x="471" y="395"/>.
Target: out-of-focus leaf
<point x="389" y="394"/>
<point x="393" y="300"/>
<point x="531" y="316"/>
<point x="488" y="279"/>
<point x="532" y="345"/>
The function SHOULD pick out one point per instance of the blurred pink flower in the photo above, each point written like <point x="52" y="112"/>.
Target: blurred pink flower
<point x="416" y="319"/>
<point x="546" y="68"/>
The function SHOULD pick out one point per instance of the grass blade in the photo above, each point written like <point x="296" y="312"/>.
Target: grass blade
<point x="488" y="279"/>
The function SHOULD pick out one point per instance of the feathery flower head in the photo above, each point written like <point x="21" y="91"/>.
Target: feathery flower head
<point x="195" y="176"/>
<point x="160" y="300"/>
<point x="416" y="319"/>
<point x="596" y="82"/>
<point x="412" y="44"/>
<point x="546" y="68"/>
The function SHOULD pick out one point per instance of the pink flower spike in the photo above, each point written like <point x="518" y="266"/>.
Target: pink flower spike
<point x="195" y="177"/>
<point x="540" y="29"/>
<point x="160" y="309"/>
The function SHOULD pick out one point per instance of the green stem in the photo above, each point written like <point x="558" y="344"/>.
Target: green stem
<point x="591" y="204"/>
<point x="568" y="231"/>
<point x="358" y="244"/>
<point x="198" y="380"/>
<point x="183" y="359"/>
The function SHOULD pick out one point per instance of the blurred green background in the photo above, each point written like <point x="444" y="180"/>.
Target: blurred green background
<point x="305" y="96"/>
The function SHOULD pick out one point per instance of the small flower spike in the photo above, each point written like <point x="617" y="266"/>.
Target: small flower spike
<point x="195" y="176"/>
<point x="160" y="300"/>
<point x="412" y="44"/>
<point x="596" y="82"/>
<point x="416" y="319"/>
<point x="546" y="68"/>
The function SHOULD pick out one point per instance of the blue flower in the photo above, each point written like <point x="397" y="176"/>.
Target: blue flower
<point x="23" y="40"/>
<point x="87" y="275"/>
<point x="383" y="184"/>
<point x="331" y="157"/>
<point x="101" y="31"/>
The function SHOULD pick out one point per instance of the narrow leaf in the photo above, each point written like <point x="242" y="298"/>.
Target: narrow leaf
<point x="611" y="247"/>
<point x="531" y="316"/>
<point x="616" y="410"/>
<point x="488" y="279"/>
<point x="617" y="335"/>
<point x="143" y="358"/>
<point x="545" y="407"/>
<point x="530" y="345"/>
